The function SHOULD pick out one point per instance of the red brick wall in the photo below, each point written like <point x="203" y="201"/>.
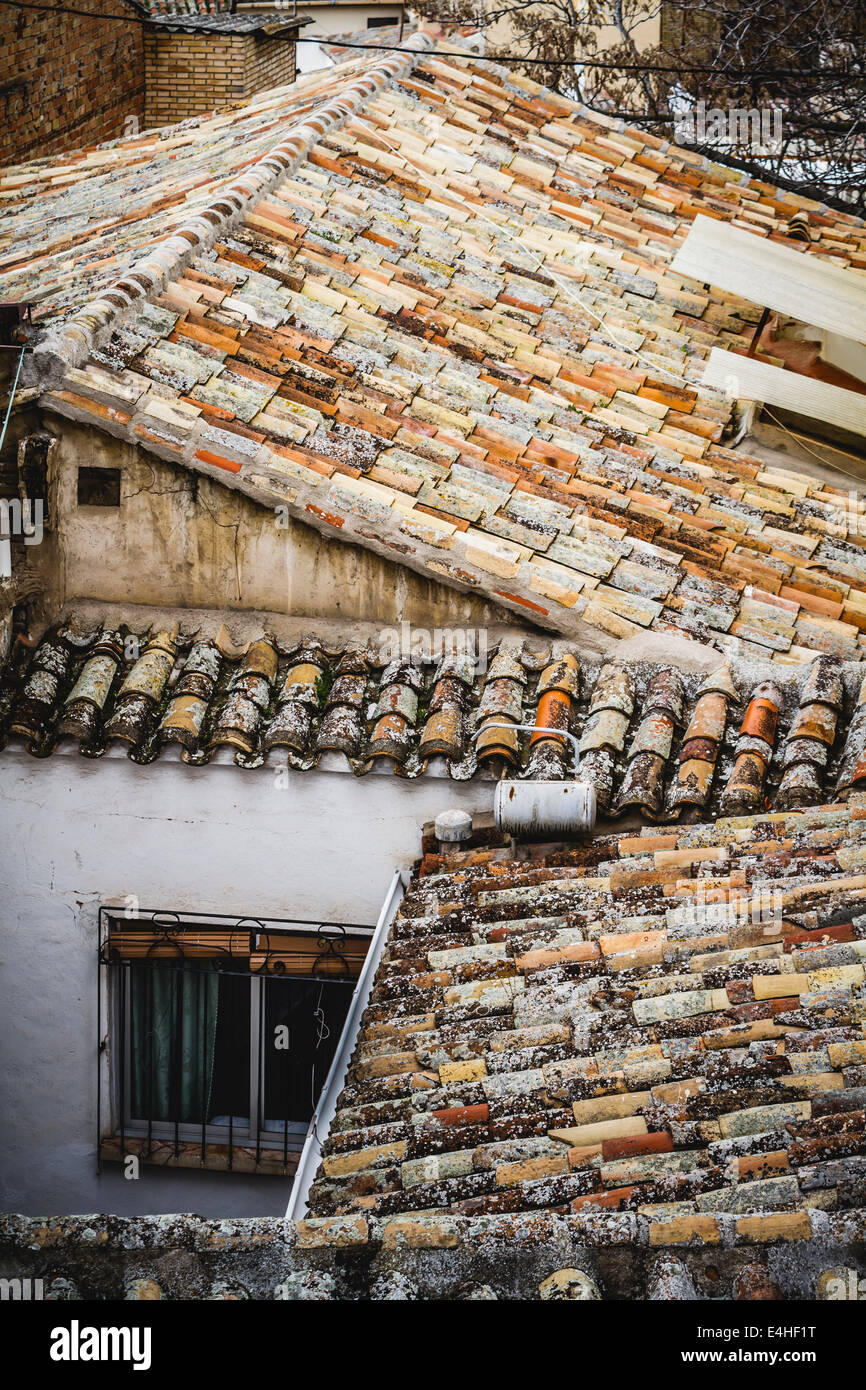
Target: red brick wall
<point x="80" y="78"/>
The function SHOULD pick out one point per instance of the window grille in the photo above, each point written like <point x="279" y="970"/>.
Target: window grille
<point x="217" y="1034"/>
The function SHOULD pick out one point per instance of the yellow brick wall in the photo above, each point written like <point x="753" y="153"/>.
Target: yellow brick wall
<point x="188" y="74"/>
<point x="270" y="63"/>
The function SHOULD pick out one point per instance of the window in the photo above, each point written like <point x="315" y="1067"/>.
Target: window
<point x="380" y="21"/>
<point x="99" y="487"/>
<point x="221" y="1035"/>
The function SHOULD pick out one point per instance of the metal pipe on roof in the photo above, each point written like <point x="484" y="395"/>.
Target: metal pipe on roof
<point x="534" y="807"/>
<point x="550" y="809"/>
<point x="542" y="729"/>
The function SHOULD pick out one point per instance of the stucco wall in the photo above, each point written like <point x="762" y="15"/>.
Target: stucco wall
<point x="180" y="540"/>
<point x="346" y="18"/>
<point x="218" y="838"/>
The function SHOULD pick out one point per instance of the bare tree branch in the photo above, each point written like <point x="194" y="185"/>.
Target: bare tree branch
<point x="802" y="59"/>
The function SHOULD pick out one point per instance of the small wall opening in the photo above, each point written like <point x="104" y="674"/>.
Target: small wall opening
<point x="99" y="487"/>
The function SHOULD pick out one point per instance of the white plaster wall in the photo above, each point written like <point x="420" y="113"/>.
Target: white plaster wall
<point x="844" y="353"/>
<point x="76" y="834"/>
<point x="346" y="18"/>
<point x="338" y="19"/>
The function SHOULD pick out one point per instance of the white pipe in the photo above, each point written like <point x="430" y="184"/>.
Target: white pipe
<point x="5" y="540"/>
<point x="540" y="729"/>
<point x="320" y="1124"/>
<point x="544" y="808"/>
<point x="535" y="807"/>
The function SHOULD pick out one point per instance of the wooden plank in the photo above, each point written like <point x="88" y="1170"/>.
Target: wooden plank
<point x="795" y="283"/>
<point x="752" y="380"/>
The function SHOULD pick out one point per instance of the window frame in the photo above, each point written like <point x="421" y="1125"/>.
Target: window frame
<point x="114" y="1090"/>
<point x="188" y="1133"/>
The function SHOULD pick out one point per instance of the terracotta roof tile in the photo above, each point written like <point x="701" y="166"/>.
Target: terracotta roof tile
<point x="701" y="1070"/>
<point x="664" y="743"/>
<point x="412" y="286"/>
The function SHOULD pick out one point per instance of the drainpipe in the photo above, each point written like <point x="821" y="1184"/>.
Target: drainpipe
<point x="321" y="1122"/>
<point x="12" y="396"/>
<point x="5" y="520"/>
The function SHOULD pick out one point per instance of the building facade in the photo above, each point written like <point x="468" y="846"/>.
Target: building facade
<point x="380" y="469"/>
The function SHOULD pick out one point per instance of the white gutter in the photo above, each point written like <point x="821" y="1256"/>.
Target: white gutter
<point x="320" y="1124"/>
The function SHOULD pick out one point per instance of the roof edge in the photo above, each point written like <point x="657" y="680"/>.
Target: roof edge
<point x="319" y="1127"/>
<point x="72" y="342"/>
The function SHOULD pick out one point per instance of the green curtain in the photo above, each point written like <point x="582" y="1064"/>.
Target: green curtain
<point x="173" y="1031"/>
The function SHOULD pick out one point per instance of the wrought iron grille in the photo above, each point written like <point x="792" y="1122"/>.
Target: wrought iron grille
<point x="217" y="1032"/>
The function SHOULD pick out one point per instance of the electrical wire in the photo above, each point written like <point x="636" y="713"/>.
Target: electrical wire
<point x="658" y="118"/>
<point x="801" y="441"/>
<point x="324" y="1033"/>
<point x="12" y="396"/>
<point x="746" y="75"/>
<point x="322" y="1028"/>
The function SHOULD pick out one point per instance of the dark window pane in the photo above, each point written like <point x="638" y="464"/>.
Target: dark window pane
<point x="99" y="487"/>
<point x="231" y="1080"/>
<point x="173" y="1015"/>
<point x="302" y="1026"/>
<point x="189" y="1043"/>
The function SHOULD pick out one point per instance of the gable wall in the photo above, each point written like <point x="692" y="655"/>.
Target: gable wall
<point x="181" y="540"/>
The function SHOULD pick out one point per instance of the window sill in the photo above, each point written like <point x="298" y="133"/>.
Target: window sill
<point x="218" y="1158"/>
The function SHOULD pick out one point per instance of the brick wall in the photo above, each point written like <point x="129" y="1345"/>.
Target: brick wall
<point x="66" y="80"/>
<point x="187" y="74"/>
<point x="271" y="63"/>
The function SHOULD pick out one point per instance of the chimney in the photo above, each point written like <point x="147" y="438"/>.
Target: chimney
<point x="199" y="62"/>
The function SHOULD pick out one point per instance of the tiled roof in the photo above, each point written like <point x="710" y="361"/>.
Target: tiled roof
<point x="660" y="1037"/>
<point x="72" y="226"/>
<point x="451" y="335"/>
<point x="635" y="1069"/>
<point x="185" y="7"/>
<point x="654" y="740"/>
<point x="266" y="22"/>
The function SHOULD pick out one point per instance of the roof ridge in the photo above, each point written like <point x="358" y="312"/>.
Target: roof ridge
<point x="69" y="344"/>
